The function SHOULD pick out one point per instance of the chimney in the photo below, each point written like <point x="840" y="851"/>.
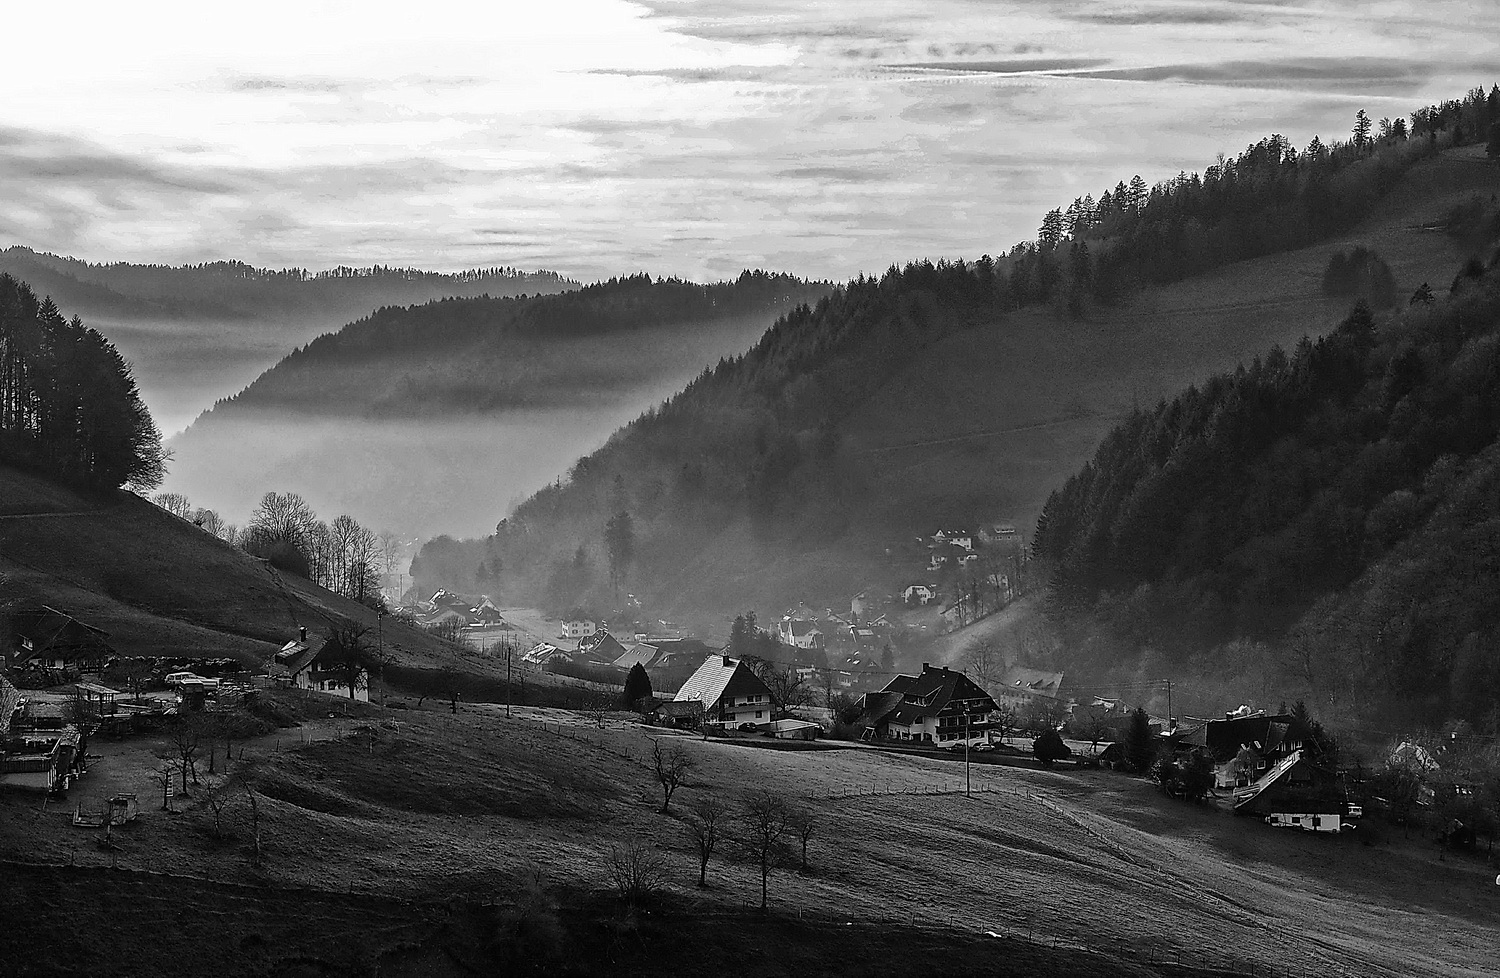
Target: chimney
<point x="302" y="633"/>
<point x="926" y="666"/>
<point x="728" y="662"/>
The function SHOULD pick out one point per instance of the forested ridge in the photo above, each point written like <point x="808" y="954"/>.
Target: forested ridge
<point x="472" y="354"/>
<point x="69" y="407"/>
<point x="1340" y="502"/>
<point x="757" y="439"/>
<point x="236" y="290"/>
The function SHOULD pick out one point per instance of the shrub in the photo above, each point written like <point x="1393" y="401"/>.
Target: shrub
<point x="1049" y="747"/>
<point x="638" y="873"/>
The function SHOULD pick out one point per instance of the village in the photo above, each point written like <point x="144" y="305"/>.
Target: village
<point x="820" y="679"/>
<point x="183" y="772"/>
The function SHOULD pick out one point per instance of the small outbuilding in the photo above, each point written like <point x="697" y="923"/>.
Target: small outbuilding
<point x="792" y="729"/>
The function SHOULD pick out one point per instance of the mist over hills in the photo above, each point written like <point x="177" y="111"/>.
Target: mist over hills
<point x="960" y="392"/>
<point x="193" y="332"/>
<point x="434" y="417"/>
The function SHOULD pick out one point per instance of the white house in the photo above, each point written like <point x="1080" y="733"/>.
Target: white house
<point x="576" y="628"/>
<point x="730" y="692"/>
<point x="802" y="634"/>
<point x="962" y="539"/>
<point x="918" y="594"/>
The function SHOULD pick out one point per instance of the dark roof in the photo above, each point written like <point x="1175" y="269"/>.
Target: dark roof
<point x="327" y="656"/>
<point x="1264" y="733"/>
<point x="601" y="646"/>
<point x="930" y="691"/>
<point x="680" y="708"/>
<point x="54" y="633"/>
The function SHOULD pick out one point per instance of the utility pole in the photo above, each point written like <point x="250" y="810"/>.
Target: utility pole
<point x="380" y="650"/>
<point x="967" y="793"/>
<point x="509" y="648"/>
<point x="1171" y="720"/>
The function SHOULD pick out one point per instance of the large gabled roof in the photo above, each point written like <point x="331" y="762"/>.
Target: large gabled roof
<point x="49" y="631"/>
<point x="640" y="654"/>
<point x="928" y="692"/>
<point x="721" y="676"/>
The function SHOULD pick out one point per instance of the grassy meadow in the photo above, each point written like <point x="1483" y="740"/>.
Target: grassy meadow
<point x="495" y="834"/>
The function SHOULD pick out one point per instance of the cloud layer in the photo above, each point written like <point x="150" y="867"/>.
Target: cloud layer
<point x="691" y="137"/>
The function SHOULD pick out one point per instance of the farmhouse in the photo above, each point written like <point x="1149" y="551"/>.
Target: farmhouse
<point x="323" y="668"/>
<point x="799" y="633"/>
<point x="730" y="692"/>
<point x="577" y="628"/>
<point x="1295" y="793"/>
<point x="1243" y="745"/>
<point x="918" y="594"/>
<point x="51" y="640"/>
<point x="934" y="706"/>
<point x="600" y="649"/>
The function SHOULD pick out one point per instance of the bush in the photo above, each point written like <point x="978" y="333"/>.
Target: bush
<point x="1049" y="747"/>
<point x="638" y="873"/>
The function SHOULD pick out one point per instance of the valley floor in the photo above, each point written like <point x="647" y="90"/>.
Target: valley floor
<point x="439" y="823"/>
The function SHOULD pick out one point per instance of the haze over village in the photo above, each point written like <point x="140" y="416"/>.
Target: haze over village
<point x="660" y="487"/>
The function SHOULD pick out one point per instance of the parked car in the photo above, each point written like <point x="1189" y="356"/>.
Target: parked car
<point x="749" y="727"/>
<point x="178" y="678"/>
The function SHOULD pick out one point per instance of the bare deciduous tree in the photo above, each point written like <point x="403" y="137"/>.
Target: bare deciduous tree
<point x="186" y="740"/>
<point x="706" y="821"/>
<point x="985" y="664"/>
<point x="802" y="824"/>
<point x="671" y="765"/>
<point x="765" y="823"/>
<point x="175" y="503"/>
<point x="217" y="799"/>
<point x="254" y="798"/>
<point x="638" y="873"/>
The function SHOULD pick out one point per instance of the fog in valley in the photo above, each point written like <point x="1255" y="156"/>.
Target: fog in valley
<point x="183" y="367"/>
<point x="458" y="453"/>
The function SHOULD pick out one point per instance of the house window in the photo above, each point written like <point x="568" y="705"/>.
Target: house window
<point x="757" y="714"/>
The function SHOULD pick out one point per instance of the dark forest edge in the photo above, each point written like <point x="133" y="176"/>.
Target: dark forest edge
<point x="69" y="406"/>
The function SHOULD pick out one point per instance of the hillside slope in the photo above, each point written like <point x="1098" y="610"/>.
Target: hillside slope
<point x="161" y="586"/>
<point x="432" y="418"/>
<point x="805" y="470"/>
<point x="1339" y="502"/>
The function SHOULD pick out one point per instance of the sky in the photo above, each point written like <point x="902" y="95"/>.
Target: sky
<point x="681" y="137"/>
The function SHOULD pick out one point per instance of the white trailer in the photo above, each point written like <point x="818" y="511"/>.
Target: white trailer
<point x="1307" y="822"/>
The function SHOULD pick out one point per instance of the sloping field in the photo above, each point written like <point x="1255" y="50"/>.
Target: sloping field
<point x="477" y="806"/>
<point x="161" y="586"/>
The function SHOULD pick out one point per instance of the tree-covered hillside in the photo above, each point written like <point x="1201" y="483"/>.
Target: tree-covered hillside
<point x="471" y="355"/>
<point x="1340" y="502"/>
<point x="68" y="403"/>
<point x="765" y="461"/>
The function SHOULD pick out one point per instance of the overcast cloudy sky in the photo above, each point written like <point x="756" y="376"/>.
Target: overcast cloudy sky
<point x="691" y="137"/>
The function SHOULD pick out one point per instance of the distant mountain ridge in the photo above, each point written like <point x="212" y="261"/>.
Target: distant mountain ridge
<point x="235" y="290"/>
